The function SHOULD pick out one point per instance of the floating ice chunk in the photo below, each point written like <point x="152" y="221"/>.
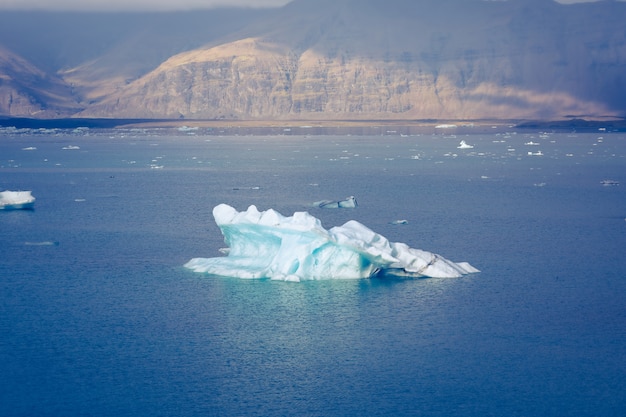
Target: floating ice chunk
<point x="465" y="145"/>
<point x="254" y="187"/>
<point x="187" y="128"/>
<point x="269" y="245"/>
<point x="16" y="200"/>
<point x="44" y="243"/>
<point x="349" y="202"/>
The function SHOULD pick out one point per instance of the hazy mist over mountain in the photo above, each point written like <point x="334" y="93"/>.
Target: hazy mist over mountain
<point x="320" y="59"/>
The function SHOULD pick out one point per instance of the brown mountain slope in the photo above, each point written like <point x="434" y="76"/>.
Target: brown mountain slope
<point x="25" y="90"/>
<point x="99" y="53"/>
<point x="397" y="59"/>
<point x="322" y="59"/>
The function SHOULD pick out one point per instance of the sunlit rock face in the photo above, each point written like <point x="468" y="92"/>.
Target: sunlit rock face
<point x="331" y="60"/>
<point x="269" y="245"/>
<point x="444" y="59"/>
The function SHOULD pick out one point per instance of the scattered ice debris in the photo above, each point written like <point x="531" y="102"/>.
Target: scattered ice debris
<point x="608" y="183"/>
<point x="531" y="143"/>
<point x="71" y="147"/>
<point x="349" y="202"/>
<point x="16" y="200"/>
<point x="538" y="153"/>
<point x="465" y="145"/>
<point x="247" y="188"/>
<point x="269" y="245"/>
<point x="445" y="126"/>
<point x="399" y="222"/>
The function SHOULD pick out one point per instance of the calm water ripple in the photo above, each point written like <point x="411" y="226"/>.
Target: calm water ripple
<point x="98" y="317"/>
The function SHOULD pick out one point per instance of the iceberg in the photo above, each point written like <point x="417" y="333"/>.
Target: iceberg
<point x="349" y="202"/>
<point x="266" y="244"/>
<point x="16" y="200"/>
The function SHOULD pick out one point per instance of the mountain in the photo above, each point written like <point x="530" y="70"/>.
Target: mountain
<point x="359" y="59"/>
<point x="26" y="90"/>
<point x="98" y="53"/>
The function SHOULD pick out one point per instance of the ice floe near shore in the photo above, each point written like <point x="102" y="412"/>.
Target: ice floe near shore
<point x="266" y="244"/>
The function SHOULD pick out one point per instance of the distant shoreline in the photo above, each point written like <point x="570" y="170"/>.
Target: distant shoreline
<point x="573" y="124"/>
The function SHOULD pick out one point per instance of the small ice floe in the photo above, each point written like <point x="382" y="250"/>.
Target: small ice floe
<point x="187" y="129"/>
<point x="247" y="188"/>
<point x="531" y="143"/>
<point x="465" y="145"/>
<point x="608" y="183"/>
<point x="16" y="200"/>
<point x="44" y="243"/>
<point x="399" y="222"/>
<point x="29" y="148"/>
<point x="538" y="153"/>
<point x="445" y="126"/>
<point x="81" y="130"/>
<point x="349" y="202"/>
<point x="70" y="147"/>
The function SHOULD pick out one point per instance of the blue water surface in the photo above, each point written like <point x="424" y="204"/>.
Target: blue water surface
<point x="98" y="317"/>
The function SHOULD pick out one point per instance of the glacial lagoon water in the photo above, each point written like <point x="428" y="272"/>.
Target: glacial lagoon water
<point x="99" y="317"/>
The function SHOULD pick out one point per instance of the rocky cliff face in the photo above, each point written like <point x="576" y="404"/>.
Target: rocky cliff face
<point x="394" y="59"/>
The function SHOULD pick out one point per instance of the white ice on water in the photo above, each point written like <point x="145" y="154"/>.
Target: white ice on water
<point x="267" y="244"/>
<point x="465" y="145"/>
<point x="15" y="200"/>
<point x="349" y="202"/>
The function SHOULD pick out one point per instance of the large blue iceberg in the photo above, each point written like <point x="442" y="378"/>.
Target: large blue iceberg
<point x="269" y="245"/>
